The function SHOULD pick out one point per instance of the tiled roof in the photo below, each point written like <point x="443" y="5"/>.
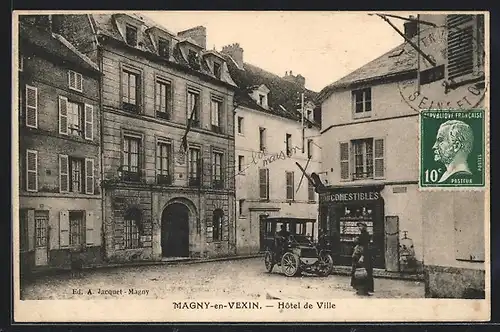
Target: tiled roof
<point x="391" y="63"/>
<point x="55" y="45"/>
<point x="283" y="93"/>
<point x="105" y="26"/>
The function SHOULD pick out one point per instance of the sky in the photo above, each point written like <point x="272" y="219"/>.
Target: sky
<point x="321" y="46"/>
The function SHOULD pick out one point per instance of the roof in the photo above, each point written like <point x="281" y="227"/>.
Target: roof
<point x="389" y="64"/>
<point x="56" y="45"/>
<point x="105" y="25"/>
<point x="283" y="93"/>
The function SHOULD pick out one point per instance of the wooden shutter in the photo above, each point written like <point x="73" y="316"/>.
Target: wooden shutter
<point x="460" y="48"/>
<point x="71" y="79"/>
<point x="79" y="81"/>
<point x="89" y="176"/>
<point x="63" y="229"/>
<point x="31" y="107"/>
<point x="63" y="173"/>
<point x="344" y="161"/>
<point x="89" y="122"/>
<point x="89" y="226"/>
<point x="263" y="183"/>
<point x="289" y="185"/>
<point x="63" y="115"/>
<point x="31" y="170"/>
<point x="31" y="229"/>
<point x="378" y="158"/>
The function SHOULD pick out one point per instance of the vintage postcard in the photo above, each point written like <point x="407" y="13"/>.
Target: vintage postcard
<point x="251" y="166"/>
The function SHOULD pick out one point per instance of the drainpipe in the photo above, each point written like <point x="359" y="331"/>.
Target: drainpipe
<point x="101" y="152"/>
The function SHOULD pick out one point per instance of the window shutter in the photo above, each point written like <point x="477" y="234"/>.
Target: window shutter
<point x="460" y="29"/>
<point x="89" y="122"/>
<point x="63" y="173"/>
<point x="63" y="229"/>
<point x="71" y="79"/>
<point x="89" y="176"/>
<point x="378" y="156"/>
<point x="262" y="183"/>
<point x="63" y="115"/>
<point x="31" y="107"/>
<point x="79" y="81"/>
<point x="31" y="229"/>
<point x="89" y="225"/>
<point x="267" y="183"/>
<point x="344" y="161"/>
<point x="31" y="170"/>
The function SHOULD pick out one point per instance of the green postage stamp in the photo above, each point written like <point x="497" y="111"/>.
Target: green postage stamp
<point x="452" y="148"/>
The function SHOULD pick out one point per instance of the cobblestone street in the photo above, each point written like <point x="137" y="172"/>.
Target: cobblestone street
<point x="237" y="279"/>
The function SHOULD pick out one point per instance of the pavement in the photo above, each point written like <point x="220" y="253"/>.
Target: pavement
<point x="218" y="279"/>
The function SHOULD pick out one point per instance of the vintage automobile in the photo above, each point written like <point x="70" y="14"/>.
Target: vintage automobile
<point x="296" y="252"/>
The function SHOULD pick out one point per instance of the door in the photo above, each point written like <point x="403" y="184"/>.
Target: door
<point x="41" y="238"/>
<point x="264" y="231"/>
<point x="175" y="231"/>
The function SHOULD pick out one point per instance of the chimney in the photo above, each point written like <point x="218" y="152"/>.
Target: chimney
<point x="235" y="52"/>
<point x="299" y="79"/>
<point x="411" y="28"/>
<point x="198" y="34"/>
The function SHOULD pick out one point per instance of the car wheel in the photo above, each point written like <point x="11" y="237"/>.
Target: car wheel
<point x="325" y="264"/>
<point x="268" y="260"/>
<point x="290" y="264"/>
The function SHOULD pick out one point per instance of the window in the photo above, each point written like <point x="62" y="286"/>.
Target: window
<point x="311" y="193"/>
<point x="261" y="100"/>
<point x="216" y="114"/>
<point x="290" y="191"/>
<point x="194" y="106"/>
<point x="240" y="125"/>
<point x="217" y="69"/>
<point x="163" y="155"/>
<point x="76" y="228"/>
<point x="31" y="107"/>
<point x="41" y="223"/>
<point x="31" y="170"/>
<point x="75" y="81"/>
<point x="76" y="168"/>
<point x="162" y="99"/>
<point x="193" y="59"/>
<point x="217" y="179"/>
<point x="309" y="113"/>
<point x="131" y="170"/>
<point x="76" y="119"/>
<point x="217" y="220"/>
<point x="131" y="35"/>
<point x="76" y="174"/>
<point x="262" y="139"/>
<point x="367" y="156"/>
<point x="289" y="144"/>
<point x="241" y="209"/>
<point x="131" y="229"/>
<point x="362" y="102"/>
<point x="309" y="148"/>
<point x="264" y="183"/>
<point x="194" y="167"/>
<point x="163" y="47"/>
<point x="130" y="90"/>
<point x="241" y="162"/>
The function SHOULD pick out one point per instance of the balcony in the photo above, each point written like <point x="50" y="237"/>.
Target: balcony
<point x="217" y="129"/>
<point x="130" y="176"/>
<point x="362" y="175"/>
<point x="194" y="181"/>
<point x="164" y="179"/>
<point x="133" y="108"/>
<point x="163" y="115"/>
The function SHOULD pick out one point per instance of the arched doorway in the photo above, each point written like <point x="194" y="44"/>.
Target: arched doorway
<point x="175" y="231"/>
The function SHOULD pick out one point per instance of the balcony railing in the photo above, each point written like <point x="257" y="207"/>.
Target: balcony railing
<point x="163" y="115"/>
<point x="164" y="179"/>
<point x="131" y="176"/>
<point x="362" y="175"/>
<point x="134" y="108"/>
<point x="194" y="181"/>
<point x="218" y="184"/>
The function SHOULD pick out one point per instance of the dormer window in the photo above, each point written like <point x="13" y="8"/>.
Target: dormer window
<point x="261" y="100"/>
<point x="163" y="48"/>
<point x="131" y="35"/>
<point x="193" y="60"/>
<point x="217" y="69"/>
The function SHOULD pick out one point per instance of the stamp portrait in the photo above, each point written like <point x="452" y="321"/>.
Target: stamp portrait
<point x="452" y="148"/>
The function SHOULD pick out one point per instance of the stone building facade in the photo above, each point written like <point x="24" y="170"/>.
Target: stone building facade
<point x="164" y="197"/>
<point x="59" y="149"/>
<point x="268" y="143"/>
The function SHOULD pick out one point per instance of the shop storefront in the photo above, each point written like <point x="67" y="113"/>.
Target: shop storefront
<point x="340" y="211"/>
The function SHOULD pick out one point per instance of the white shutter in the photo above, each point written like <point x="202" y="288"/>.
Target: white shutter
<point x="89" y="176"/>
<point x="71" y="79"/>
<point x="63" y="115"/>
<point x="31" y="107"/>
<point x="31" y="170"/>
<point x="89" y="226"/>
<point x="79" y="82"/>
<point x="63" y="173"/>
<point x="63" y="229"/>
<point x="378" y="158"/>
<point x="344" y="161"/>
<point x="89" y="122"/>
<point x="31" y="229"/>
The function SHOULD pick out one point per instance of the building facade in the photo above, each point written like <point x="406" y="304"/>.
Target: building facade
<point x="59" y="149"/>
<point x="168" y="142"/>
<point x="370" y="138"/>
<point x="268" y="143"/>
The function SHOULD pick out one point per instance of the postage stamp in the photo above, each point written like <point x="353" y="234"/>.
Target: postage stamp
<point x="452" y="148"/>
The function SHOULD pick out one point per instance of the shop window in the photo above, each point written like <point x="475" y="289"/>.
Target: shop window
<point x="350" y="215"/>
